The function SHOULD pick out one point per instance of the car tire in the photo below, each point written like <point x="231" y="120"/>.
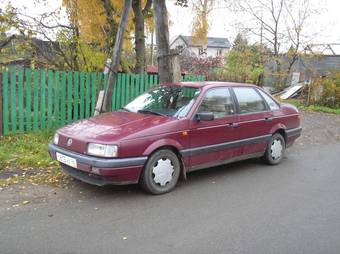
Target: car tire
<point x="161" y="172"/>
<point x="275" y="150"/>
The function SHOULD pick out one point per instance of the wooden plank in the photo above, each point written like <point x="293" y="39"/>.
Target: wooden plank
<point x="142" y="88"/>
<point x="13" y="100"/>
<point x="76" y="97"/>
<point x="98" y="104"/>
<point x="122" y="94"/>
<point x="156" y="81"/>
<point x="93" y="92"/>
<point x="69" y="96"/>
<point x="21" y="98"/>
<point x="82" y="96"/>
<point x="36" y="99"/>
<point x="63" y="99"/>
<point x="4" y="103"/>
<point x="49" y="98"/>
<point x="150" y="79"/>
<point x="105" y="81"/>
<point x="28" y="77"/>
<point x="128" y="89"/>
<point x="88" y="95"/>
<point x="43" y="99"/>
<point x="136" y="86"/>
<point x="118" y="88"/>
<point x="118" y="79"/>
<point x="132" y="86"/>
<point x="56" y="99"/>
<point x="1" y="105"/>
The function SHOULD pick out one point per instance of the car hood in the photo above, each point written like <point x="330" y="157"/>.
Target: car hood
<point x="111" y="127"/>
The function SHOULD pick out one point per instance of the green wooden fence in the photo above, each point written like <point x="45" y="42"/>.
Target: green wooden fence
<point x="35" y="99"/>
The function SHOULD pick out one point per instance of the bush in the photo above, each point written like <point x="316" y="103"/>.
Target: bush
<point x="326" y="92"/>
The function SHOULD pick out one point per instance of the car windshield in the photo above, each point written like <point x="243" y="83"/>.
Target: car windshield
<point x="165" y="100"/>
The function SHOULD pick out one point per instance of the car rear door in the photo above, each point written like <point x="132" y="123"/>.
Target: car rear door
<point x="209" y="139"/>
<point x="255" y="120"/>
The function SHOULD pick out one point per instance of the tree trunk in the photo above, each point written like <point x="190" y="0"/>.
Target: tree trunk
<point x="162" y="40"/>
<point x="112" y="26"/>
<point x="115" y="58"/>
<point x="139" y="36"/>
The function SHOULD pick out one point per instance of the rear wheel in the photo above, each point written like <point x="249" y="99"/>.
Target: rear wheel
<point x="275" y="149"/>
<point x="161" y="172"/>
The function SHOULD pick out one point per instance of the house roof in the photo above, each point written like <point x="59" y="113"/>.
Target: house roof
<point x="213" y="42"/>
<point x="154" y="69"/>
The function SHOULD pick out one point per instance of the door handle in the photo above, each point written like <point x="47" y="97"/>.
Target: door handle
<point x="267" y="119"/>
<point x="232" y="125"/>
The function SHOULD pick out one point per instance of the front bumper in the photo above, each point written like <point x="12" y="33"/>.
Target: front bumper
<point x="101" y="171"/>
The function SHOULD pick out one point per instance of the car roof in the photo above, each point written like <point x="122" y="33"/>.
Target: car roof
<point x="200" y="84"/>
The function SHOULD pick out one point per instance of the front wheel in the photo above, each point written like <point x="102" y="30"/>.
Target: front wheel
<point x="161" y="172"/>
<point x="275" y="149"/>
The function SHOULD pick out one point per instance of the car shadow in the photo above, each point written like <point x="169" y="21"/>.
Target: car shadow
<point x="193" y="178"/>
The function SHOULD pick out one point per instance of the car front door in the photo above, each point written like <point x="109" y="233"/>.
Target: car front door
<point x="209" y="139"/>
<point x="255" y="120"/>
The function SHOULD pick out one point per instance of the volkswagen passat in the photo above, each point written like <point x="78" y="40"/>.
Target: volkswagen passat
<point x="174" y="129"/>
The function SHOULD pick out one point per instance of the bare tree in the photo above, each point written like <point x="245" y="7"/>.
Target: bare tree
<point x="297" y="15"/>
<point x="281" y="27"/>
<point x="268" y="14"/>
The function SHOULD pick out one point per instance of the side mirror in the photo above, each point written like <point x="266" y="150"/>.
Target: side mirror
<point x="205" y="116"/>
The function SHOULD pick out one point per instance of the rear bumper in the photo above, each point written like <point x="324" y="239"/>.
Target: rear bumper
<point x="101" y="171"/>
<point x="292" y="135"/>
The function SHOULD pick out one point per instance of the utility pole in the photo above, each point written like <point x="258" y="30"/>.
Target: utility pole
<point x="115" y="59"/>
<point x="152" y="46"/>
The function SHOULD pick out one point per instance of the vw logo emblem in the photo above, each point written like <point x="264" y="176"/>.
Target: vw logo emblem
<point x="69" y="142"/>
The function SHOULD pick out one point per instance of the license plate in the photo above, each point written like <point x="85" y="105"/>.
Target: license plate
<point x="66" y="160"/>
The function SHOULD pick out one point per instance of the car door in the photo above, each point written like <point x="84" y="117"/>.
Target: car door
<point x="209" y="139"/>
<point x="255" y="120"/>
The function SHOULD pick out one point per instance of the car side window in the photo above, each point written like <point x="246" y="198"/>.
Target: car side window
<point x="217" y="101"/>
<point x="271" y="103"/>
<point x="249" y="100"/>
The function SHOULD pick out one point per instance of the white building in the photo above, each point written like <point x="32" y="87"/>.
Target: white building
<point x="216" y="46"/>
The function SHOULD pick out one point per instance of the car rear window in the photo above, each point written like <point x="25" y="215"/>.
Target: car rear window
<point x="271" y="103"/>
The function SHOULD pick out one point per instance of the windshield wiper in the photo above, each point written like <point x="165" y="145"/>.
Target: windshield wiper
<point x="125" y="109"/>
<point x="147" y="111"/>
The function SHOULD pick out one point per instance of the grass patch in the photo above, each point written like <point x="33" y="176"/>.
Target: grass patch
<point x="26" y="150"/>
<point x="299" y="104"/>
<point x="27" y="153"/>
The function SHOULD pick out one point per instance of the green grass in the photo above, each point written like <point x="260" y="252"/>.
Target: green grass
<point x="299" y="104"/>
<point x="26" y="150"/>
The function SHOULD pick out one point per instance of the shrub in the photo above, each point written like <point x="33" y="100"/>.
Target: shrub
<point x="326" y="92"/>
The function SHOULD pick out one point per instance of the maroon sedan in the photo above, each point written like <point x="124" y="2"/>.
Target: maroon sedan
<point x="174" y="129"/>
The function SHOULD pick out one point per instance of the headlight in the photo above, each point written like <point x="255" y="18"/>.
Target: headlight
<point x="102" y="150"/>
<point x="56" y="139"/>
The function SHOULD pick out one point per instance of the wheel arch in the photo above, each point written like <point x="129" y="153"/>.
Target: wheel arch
<point x="168" y="144"/>
<point x="281" y="129"/>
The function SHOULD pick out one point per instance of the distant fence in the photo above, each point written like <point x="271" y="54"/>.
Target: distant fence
<point x="32" y="99"/>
